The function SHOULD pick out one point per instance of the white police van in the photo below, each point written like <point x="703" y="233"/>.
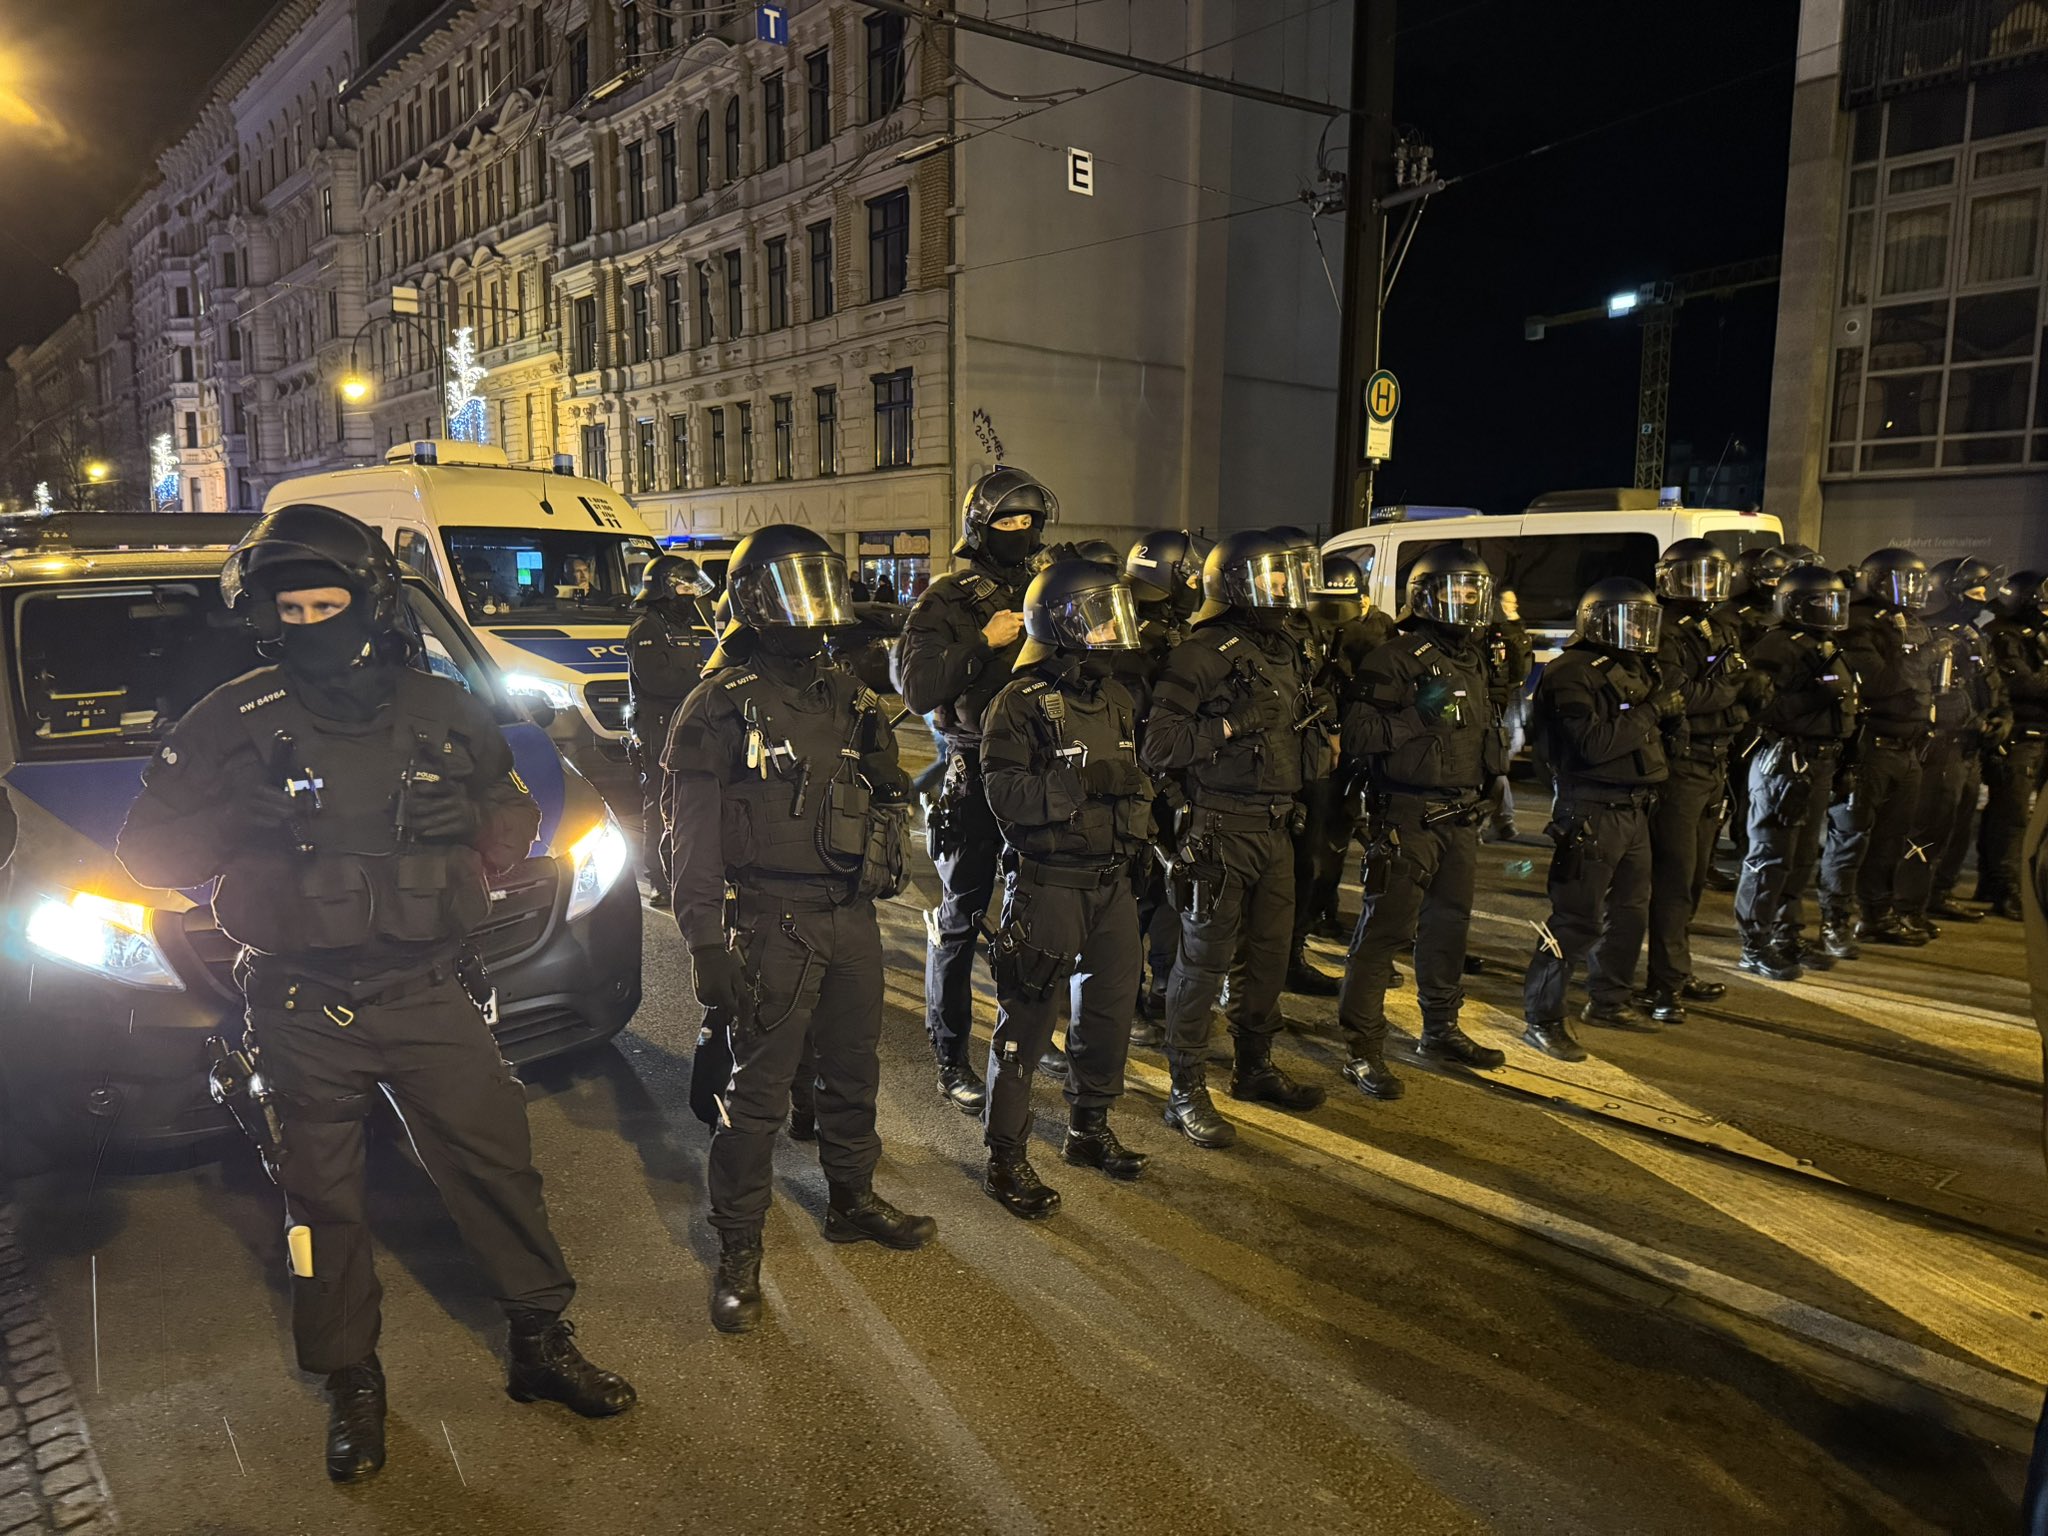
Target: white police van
<point x="1549" y="553"/>
<point x="543" y="564"/>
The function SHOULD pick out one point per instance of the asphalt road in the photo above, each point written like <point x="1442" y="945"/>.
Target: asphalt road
<point x="1351" y="1322"/>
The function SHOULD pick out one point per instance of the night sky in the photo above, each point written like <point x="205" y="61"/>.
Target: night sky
<point x="90" y="88"/>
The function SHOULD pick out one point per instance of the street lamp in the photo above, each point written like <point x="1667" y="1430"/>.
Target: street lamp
<point x="355" y="387"/>
<point x="99" y="471"/>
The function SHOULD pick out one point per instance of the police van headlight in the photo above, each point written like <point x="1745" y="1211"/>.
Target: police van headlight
<point x="596" y="860"/>
<point x="551" y="693"/>
<point x="110" y="938"/>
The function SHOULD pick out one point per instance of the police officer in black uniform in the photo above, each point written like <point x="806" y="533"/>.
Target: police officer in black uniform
<point x="1751" y="610"/>
<point x="1420" y="729"/>
<point x="2019" y="648"/>
<point x="1510" y="658"/>
<point x="1807" y="716"/>
<point x="1164" y="571"/>
<point x="664" y="655"/>
<point x="1234" y="718"/>
<point x="1698" y="655"/>
<point x="784" y="786"/>
<point x="1059" y="755"/>
<point x="1602" y="715"/>
<point x="353" y="808"/>
<point x="958" y="650"/>
<point x="1970" y="710"/>
<point x="1872" y="815"/>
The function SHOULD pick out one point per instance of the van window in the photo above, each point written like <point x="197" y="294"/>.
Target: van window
<point x="559" y="575"/>
<point x="1549" y="572"/>
<point x="415" y="549"/>
<point x="1733" y="541"/>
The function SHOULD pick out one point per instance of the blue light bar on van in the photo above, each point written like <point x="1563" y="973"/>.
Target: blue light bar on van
<point x="1408" y="514"/>
<point x="424" y="452"/>
<point x="564" y="464"/>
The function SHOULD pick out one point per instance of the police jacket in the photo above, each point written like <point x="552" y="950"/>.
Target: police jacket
<point x="1160" y="629"/>
<point x="1418" y="717"/>
<point x="1813" y="695"/>
<point x="1038" y="735"/>
<point x="943" y="666"/>
<point x="2021" y="656"/>
<point x="781" y="772"/>
<point x="1225" y="713"/>
<point x="663" y="658"/>
<point x="1700" y="656"/>
<point x="1594" y="714"/>
<point x="1894" y="660"/>
<point x="1752" y="614"/>
<point x="1509" y="660"/>
<point x="1970" y="699"/>
<point x="344" y="888"/>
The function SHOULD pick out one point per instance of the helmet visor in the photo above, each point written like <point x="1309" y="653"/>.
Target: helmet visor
<point x="687" y="579"/>
<point x="1310" y="560"/>
<point x="1633" y="626"/>
<point x="1460" y="598"/>
<point x="807" y="591"/>
<point x="1098" y="619"/>
<point x="1902" y="589"/>
<point x="1267" y="581"/>
<point x="1703" y="579"/>
<point x="1815" y="610"/>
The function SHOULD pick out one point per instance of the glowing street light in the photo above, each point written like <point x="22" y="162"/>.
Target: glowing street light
<point x="355" y="388"/>
<point x="99" y="471"/>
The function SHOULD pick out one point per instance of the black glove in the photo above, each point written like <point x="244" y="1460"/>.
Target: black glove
<point x="718" y="976"/>
<point x="441" y="812"/>
<point x="267" y="808"/>
<point x="1265" y="710"/>
<point x="1113" y="777"/>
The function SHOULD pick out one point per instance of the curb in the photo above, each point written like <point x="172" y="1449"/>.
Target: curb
<point x="50" y="1477"/>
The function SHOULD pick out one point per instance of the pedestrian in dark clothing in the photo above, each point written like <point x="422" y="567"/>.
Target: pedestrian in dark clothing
<point x="2019" y="648"/>
<point x="1510" y="659"/>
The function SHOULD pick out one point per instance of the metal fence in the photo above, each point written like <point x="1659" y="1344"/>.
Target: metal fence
<point x="1899" y="45"/>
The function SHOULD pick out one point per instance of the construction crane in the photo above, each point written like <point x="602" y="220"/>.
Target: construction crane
<point x="1655" y="306"/>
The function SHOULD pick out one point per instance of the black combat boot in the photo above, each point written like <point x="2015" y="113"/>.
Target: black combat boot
<point x="1054" y="1062"/>
<point x="1553" y="1037"/>
<point x="1092" y="1144"/>
<point x="1696" y="991"/>
<point x="803" y="1119"/>
<point x="1794" y="950"/>
<point x="1718" y="879"/>
<point x="1838" y="938"/>
<point x="1914" y="922"/>
<point x="1943" y="904"/>
<point x="1661" y="1004"/>
<point x="2009" y="908"/>
<point x="1306" y="980"/>
<point x="547" y="1365"/>
<point x="355" y="1421"/>
<point x="1890" y="928"/>
<point x="1367" y="1070"/>
<point x="1445" y="1041"/>
<point x="1148" y="1033"/>
<point x="963" y="1089"/>
<point x="1014" y="1184"/>
<point x="1153" y="1005"/>
<point x="861" y="1215"/>
<point x="1612" y="1016"/>
<point x="1255" y="1080"/>
<point x="736" y="1287"/>
<point x="1190" y="1111"/>
<point x="1770" y="963"/>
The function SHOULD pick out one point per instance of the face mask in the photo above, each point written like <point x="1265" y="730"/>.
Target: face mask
<point x="1096" y="666"/>
<point x="792" y="642"/>
<point x="1011" y="546"/>
<point x="328" y="649"/>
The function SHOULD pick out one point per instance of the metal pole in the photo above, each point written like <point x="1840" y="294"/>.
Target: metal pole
<point x="1365" y="251"/>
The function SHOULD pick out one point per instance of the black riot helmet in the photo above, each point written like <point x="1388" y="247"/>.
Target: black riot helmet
<point x="783" y="576"/>
<point x="1893" y="578"/>
<point x="2018" y="596"/>
<point x="1968" y="581"/>
<point x="999" y="494"/>
<point x="1621" y="613"/>
<point x="1451" y="585"/>
<point x="1099" y="552"/>
<point x="1164" y="564"/>
<point x="302" y="546"/>
<point x="1338" y="596"/>
<point x="668" y="577"/>
<point x="1076" y="605"/>
<point x="1801" y="554"/>
<point x="1695" y="571"/>
<point x="1254" y="568"/>
<point x="1757" y="571"/>
<point x="1812" y="597"/>
<point x="1303" y="543"/>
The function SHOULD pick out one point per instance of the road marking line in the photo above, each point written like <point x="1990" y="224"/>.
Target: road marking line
<point x="451" y="1452"/>
<point x="234" y="1447"/>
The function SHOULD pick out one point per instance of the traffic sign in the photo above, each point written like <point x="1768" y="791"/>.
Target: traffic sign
<point x="771" y="25"/>
<point x="1382" y="396"/>
<point x="1080" y="171"/>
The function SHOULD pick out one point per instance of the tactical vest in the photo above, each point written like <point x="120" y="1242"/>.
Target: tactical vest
<point x="1820" y="701"/>
<point x="796" y="807"/>
<point x="1072" y="730"/>
<point x="1450" y="692"/>
<point x="1263" y="765"/>
<point x="1622" y="690"/>
<point x="2018" y="647"/>
<point x="1899" y="696"/>
<point x="1708" y="640"/>
<point x="355" y="879"/>
<point x="983" y="597"/>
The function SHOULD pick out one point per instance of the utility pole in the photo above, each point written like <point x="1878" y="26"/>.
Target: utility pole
<point x="1365" y="250"/>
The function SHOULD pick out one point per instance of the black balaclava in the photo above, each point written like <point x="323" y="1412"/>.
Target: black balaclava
<point x="791" y="642"/>
<point x="333" y="665"/>
<point x="1011" y="548"/>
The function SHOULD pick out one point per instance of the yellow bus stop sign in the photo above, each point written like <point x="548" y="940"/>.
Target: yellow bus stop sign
<point x="1382" y="396"/>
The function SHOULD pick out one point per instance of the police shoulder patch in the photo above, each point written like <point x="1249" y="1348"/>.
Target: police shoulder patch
<point x="738" y="680"/>
<point x="517" y="782"/>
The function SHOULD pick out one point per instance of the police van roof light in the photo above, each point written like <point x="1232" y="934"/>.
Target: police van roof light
<point x="424" y="452"/>
<point x="564" y="464"/>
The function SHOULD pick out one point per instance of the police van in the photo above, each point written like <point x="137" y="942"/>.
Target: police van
<point x="1549" y="553"/>
<point x="111" y="627"/>
<point x="542" y="563"/>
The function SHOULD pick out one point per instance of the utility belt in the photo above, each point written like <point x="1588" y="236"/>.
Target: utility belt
<point x="1247" y="818"/>
<point x="1438" y="809"/>
<point x="1706" y="749"/>
<point x="1572" y="798"/>
<point x="1812" y="746"/>
<point x="1898" y="743"/>
<point x="285" y="988"/>
<point x="754" y="893"/>
<point x="1071" y="877"/>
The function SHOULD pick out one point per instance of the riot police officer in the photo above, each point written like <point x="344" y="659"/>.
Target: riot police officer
<point x="353" y="808"/>
<point x="1059" y="756"/>
<point x="1751" y="610"/>
<point x="2019" y="647"/>
<point x="1698" y="655"/>
<point x="784" y="786"/>
<point x="1233" y="719"/>
<point x="1164" y="571"/>
<point x="1805" y="720"/>
<point x="1099" y="552"/>
<point x="664" y="654"/>
<point x="1510" y="658"/>
<point x="1970" y="713"/>
<point x="959" y="647"/>
<point x="1420" y="727"/>
<point x="1601" y="715"/>
<point x="1890" y="649"/>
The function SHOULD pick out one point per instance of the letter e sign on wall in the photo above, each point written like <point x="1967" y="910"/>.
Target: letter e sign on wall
<point x="1080" y="171"/>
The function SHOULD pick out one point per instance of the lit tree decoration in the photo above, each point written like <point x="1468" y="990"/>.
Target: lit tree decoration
<point x="163" y="472"/>
<point x="43" y="505"/>
<point x="468" y="421"/>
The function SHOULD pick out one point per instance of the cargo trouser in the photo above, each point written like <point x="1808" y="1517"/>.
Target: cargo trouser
<point x="1158" y="923"/>
<point x="1419" y="875"/>
<point x="1945" y="768"/>
<point x="1683" y="826"/>
<point x="2010" y="777"/>
<point x="1868" y="830"/>
<point x="648" y="738"/>
<point x="1599" y="902"/>
<point x="1060" y="925"/>
<point x="1789" y="792"/>
<point x="430" y="1052"/>
<point x="810" y="974"/>
<point x="965" y="857"/>
<point x="1319" y="854"/>
<point x="1962" y="832"/>
<point x="1236" y="898"/>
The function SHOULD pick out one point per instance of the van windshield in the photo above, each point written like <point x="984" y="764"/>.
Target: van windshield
<point x="551" y="575"/>
<point x="1548" y="572"/>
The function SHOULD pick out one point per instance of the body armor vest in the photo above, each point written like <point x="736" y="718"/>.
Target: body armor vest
<point x="1072" y="730"/>
<point x="1266" y="765"/>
